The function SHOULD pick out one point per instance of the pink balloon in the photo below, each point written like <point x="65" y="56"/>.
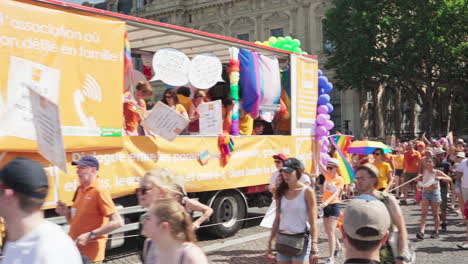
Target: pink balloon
<point x="324" y="157"/>
<point x="322" y="109"/>
<point x="326" y="143"/>
<point x="327" y="116"/>
<point x="321" y="119"/>
<point x="321" y="131"/>
<point x="328" y="133"/>
<point x="324" y="149"/>
<point x="321" y="138"/>
<point x="329" y="125"/>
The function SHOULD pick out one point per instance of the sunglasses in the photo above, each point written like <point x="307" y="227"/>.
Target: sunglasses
<point x="277" y="161"/>
<point x="142" y="190"/>
<point x="330" y="168"/>
<point x="168" y="97"/>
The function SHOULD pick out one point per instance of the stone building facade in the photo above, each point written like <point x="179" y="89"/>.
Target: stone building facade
<point x="253" y="20"/>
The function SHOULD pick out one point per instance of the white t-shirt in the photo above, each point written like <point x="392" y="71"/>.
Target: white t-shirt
<point x="463" y="167"/>
<point x="46" y="244"/>
<point x="275" y="179"/>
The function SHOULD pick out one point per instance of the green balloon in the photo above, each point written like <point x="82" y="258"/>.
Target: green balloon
<point x="297" y="50"/>
<point x="273" y="42"/>
<point x="288" y="38"/>
<point x="304" y="53"/>
<point x="296" y="43"/>
<point x="287" y="47"/>
<point x="280" y="40"/>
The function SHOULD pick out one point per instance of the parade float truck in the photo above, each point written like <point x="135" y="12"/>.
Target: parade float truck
<point x="74" y="56"/>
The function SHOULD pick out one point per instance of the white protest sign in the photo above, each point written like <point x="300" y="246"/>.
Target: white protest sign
<point x="24" y="74"/>
<point x="165" y="122"/>
<point x="205" y="71"/>
<point x="211" y="121"/>
<point x="171" y="66"/>
<point x="46" y="121"/>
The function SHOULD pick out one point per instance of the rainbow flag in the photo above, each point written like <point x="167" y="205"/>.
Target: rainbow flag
<point x="450" y="138"/>
<point x="129" y="77"/>
<point x="204" y="157"/>
<point x="341" y="144"/>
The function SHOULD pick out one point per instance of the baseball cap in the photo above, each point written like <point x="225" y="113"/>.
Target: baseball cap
<point x="280" y="156"/>
<point x="333" y="162"/>
<point x="25" y="176"/>
<point x="87" y="160"/>
<point x="370" y="168"/>
<point x="369" y="213"/>
<point x="291" y="164"/>
<point x="461" y="155"/>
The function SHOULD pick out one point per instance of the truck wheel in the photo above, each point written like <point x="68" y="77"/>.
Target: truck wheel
<point x="228" y="207"/>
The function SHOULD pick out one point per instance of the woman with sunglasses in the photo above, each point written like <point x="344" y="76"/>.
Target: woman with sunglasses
<point x="170" y="227"/>
<point x="331" y="193"/>
<point x="385" y="171"/>
<point x="170" y="99"/>
<point x="160" y="184"/>
<point x="194" y="125"/>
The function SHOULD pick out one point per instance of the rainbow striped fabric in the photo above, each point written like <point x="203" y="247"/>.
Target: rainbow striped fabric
<point x="129" y="77"/>
<point x="341" y="144"/>
<point x="450" y="138"/>
<point x="204" y="157"/>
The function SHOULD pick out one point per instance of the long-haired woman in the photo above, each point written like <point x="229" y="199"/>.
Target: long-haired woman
<point x="296" y="212"/>
<point x="170" y="99"/>
<point x="170" y="227"/>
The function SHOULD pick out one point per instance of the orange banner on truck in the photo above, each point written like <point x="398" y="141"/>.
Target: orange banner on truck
<point x="71" y="58"/>
<point x="120" y="170"/>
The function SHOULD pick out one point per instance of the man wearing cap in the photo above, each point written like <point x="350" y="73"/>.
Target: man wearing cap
<point x="366" y="179"/>
<point x="93" y="213"/>
<point x="31" y="239"/>
<point x="462" y="173"/>
<point x="365" y="228"/>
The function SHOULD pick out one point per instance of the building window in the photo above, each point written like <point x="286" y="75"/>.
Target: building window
<point x="164" y="20"/>
<point x="243" y="37"/>
<point x="139" y="5"/>
<point x="277" y="32"/>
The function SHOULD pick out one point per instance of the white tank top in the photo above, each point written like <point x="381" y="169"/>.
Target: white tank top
<point x="293" y="216"/>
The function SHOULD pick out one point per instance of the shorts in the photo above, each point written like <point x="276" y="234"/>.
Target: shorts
<point x="398" y="172"/>
<point x="331" y="210"/>
<point x="301" y="258"/>
<point x="410" y="175"/>
<point x="443" y="194"/>
<point x="433" y="196"/>
<point x="458" y="187"/>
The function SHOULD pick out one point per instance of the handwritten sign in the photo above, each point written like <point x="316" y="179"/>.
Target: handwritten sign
<point x="48" y="128"/>
<point x="171" y="66"/>
<point x="211" y="122"/>
<point x="165" y="122"/>
<point x="205" y="71"/>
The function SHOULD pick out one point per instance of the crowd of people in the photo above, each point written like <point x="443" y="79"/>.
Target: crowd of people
<point x="367" y="211"/>
<point x="186" y="102"/>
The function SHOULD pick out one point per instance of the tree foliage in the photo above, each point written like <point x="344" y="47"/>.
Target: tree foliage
<point x="415" y="45"/>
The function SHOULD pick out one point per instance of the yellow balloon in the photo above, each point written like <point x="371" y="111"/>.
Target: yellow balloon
<point x="258" y="42"/>
<point x="266" y="43"/>
<point x="272" y="38"/>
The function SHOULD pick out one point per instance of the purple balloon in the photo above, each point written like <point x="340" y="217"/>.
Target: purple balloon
<point x="327" y="116"/>
<point x="321" y="131"/>
<point x="326" y="143"/>
<point x="322" y="82"/>
<point x="328" y="133"/>
<point x="324" y="149"/>
<point x="322" y="109"/>
<point x="324" y="99"/>
<point x="324" y="157"/>
<point x="330" y="107"/>
<point x="321" y="138"/>
<point x="329" y="125"/>
<point x="320" y="73"/>
<point x="328" y="87"/>
<point x="321" y="119"/>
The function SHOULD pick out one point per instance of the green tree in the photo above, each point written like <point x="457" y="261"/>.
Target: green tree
<point x="410" y="46"/>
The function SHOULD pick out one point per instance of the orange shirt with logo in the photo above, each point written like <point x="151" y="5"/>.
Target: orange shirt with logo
<point x="330" y="186"/>
<point x="412" y="161"/>
<point x="89" y="212"/>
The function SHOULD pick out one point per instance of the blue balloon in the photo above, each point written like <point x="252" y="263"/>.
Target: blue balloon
<point x="330" y="107"/>
<point x="320" y="73"/>
<point x="329" y="87"/>
<point x="324" y="99"/>
<point x="321" y="91"/>
<point x="322" y="82"/>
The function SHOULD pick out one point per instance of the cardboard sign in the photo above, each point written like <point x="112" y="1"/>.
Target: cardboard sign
<point x="211" y="121"/>
<point x="165" y="122"/>
<point x="46" y="119"/>
<point x="205" y="71"/>
<point x="171" y="66"/>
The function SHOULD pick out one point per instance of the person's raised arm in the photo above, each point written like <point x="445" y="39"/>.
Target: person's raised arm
<point x="194" y="205"/>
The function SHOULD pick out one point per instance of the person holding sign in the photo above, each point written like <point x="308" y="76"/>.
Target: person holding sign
<point x="194" y="125"/>
<point x="170" y="99"/>
<point x="135" y="109"/>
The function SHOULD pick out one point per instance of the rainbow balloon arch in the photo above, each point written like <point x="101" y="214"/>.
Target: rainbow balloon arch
<point x="324" y="109"/>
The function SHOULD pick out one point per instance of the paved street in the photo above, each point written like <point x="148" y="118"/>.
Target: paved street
<point x="248" y="246"/>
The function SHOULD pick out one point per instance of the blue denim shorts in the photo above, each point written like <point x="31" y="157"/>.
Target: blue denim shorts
<point x="301" y="258"/>
<point x="331" y="210"/>
<point x="433" y="196"/>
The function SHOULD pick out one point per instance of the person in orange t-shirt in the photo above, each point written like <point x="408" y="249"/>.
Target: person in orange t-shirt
<point x="135" y="107"/>
<point x="412" y="164"/>
<point x="93" y="214"/>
